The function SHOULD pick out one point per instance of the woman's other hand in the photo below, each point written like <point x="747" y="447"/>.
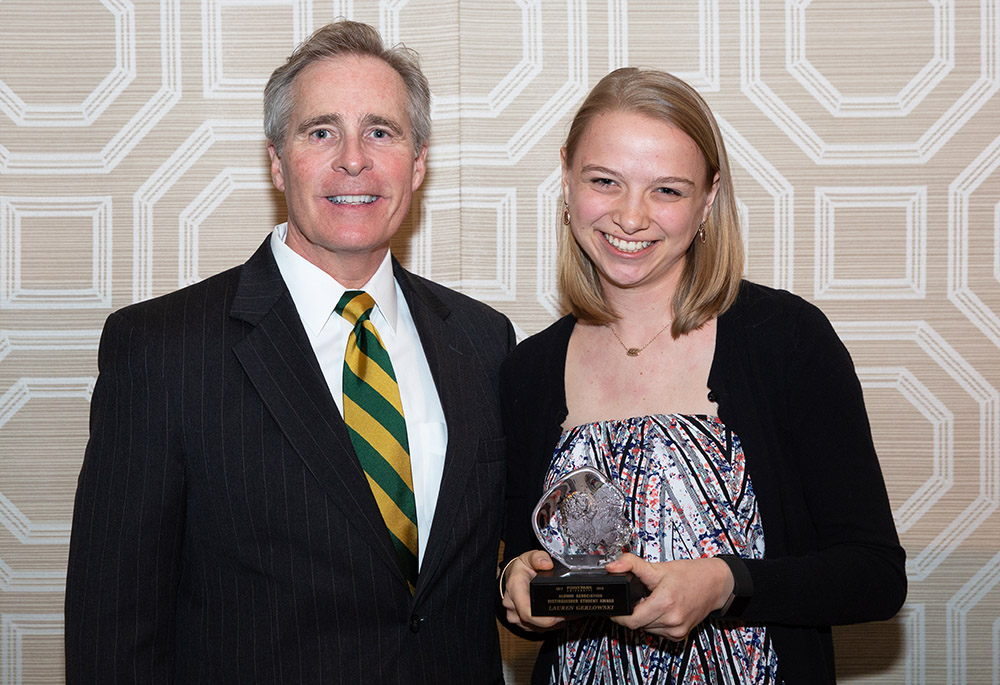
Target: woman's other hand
<point x="682" y="593"/>
<point x="517" y="600"/>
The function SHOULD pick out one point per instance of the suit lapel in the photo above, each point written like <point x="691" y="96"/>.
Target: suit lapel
<point x="278" y="359"/>
<point x="451" y="365"/>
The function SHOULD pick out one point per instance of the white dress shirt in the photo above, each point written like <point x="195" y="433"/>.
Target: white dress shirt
<point x="316" y="294"/>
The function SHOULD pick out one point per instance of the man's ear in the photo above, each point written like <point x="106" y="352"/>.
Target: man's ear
<point x="276" y="178"/>
<point x="419" y="167"/>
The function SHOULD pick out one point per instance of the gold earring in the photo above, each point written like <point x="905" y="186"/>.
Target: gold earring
<point x="701" y="232"/>
<point x="565" y="214"/>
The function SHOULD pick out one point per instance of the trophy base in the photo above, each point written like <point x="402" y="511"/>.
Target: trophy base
<point x="590" y="592"/>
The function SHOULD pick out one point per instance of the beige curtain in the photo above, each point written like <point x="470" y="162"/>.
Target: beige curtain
<point x="865" y="138"/>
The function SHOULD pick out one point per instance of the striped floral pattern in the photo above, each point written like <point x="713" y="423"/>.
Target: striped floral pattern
<point x="689" y="496"/>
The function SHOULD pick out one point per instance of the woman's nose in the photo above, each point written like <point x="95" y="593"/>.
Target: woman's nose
<point x="632" y="216"/>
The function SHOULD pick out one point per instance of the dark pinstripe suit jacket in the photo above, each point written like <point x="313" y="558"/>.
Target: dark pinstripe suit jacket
<point x="224" y="531"/>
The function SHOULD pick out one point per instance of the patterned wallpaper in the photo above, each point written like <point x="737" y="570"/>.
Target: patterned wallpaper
<point x="865" y="138"/>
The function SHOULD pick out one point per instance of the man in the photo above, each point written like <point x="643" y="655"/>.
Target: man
<point x="230" y="525"/>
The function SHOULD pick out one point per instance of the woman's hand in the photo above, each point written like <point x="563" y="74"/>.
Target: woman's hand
<point x="517" y="601"/>
<point x="682" y="593"/>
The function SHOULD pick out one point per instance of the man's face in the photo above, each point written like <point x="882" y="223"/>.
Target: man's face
<point x="348" y="168"/>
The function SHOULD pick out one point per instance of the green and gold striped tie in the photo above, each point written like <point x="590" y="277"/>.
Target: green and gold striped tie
<point x="374" y="416"/>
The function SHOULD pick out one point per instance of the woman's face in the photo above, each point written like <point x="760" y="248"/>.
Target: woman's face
<point x="637" y="192"/>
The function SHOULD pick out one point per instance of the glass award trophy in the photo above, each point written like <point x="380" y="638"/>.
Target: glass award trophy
<point x="581" y="522"/>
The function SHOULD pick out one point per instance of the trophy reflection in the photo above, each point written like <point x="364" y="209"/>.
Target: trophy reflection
<point x="582" y="523"/>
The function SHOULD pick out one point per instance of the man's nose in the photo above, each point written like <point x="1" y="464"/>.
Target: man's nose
<point x="353" y="157"/>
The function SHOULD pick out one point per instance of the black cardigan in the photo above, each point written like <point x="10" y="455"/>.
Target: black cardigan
<point x="785" y="384"/>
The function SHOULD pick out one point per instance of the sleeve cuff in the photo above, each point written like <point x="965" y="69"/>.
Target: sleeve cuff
<point x="742" y="588"/>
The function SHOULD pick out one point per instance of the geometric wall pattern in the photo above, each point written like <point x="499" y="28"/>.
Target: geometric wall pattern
<point x="865" y="142"/>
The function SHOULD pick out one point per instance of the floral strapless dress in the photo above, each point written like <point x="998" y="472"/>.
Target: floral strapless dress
<point x="689" y="496"/>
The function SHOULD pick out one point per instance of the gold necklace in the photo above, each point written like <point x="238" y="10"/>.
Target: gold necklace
<point x="634" y="351"/>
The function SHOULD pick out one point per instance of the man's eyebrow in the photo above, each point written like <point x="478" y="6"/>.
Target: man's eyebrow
<point x="385" y="122"/>
<point x="320" y="120"/>
<point x="338" y="121"/>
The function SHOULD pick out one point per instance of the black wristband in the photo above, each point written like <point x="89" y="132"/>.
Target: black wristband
<point x="742" y="587"/>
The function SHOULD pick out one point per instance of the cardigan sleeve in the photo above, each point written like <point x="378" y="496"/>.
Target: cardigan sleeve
<point x="521" y="492"/>
<point x="533" y="406"/>
<point x="842" y="561"/>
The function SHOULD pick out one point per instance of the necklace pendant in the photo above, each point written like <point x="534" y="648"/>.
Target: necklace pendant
<point x="633" y="351"/>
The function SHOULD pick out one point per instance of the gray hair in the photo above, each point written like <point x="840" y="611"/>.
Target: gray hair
<point x="335" y="40"/>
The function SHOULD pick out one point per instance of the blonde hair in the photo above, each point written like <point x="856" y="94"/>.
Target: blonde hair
<point x="713" y="269"/>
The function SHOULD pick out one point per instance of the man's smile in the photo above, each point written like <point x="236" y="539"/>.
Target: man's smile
<point x="352" y="199"/>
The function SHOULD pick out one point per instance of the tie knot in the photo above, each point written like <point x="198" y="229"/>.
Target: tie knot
<point x="355" y="306"/>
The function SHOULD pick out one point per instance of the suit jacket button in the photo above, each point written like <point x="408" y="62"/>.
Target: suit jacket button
<point x="415" y="623"/>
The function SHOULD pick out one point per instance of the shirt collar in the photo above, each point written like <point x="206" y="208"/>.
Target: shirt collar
<point x="316" y="293"/>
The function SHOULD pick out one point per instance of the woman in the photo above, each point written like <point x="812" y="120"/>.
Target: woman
<point x="729" y="413"/>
